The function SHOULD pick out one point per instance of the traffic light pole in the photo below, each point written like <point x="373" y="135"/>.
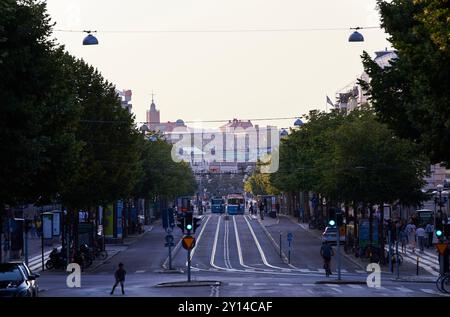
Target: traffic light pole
<point x="338" y="246"/>
<point x="338" y="253"/>
<point x="170" y="256"/>
<point x="189" y="265"/>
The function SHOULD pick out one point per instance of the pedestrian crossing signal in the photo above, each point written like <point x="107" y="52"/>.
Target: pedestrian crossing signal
<point x="180" y="223"/>
<point x="188" y="221"/>
<point x="196" y="222"/>
<point x="438" y="233"/>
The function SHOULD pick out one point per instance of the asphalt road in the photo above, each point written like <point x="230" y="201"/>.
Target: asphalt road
<point x="240" y="252"/>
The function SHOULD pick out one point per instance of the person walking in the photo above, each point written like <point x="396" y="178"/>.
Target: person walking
<point x="411" y="231"/>
<point x="120" y="278"/>
<point x="403" y="239"/>
<point x="429" y="229"/>
<point x="420" y="234"/>
<point x="326" y="251"/>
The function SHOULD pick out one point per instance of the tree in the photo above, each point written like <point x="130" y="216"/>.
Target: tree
<point x="39" y="112"/>
<point x="108" y="165"/>
<point x="412" y="95"/>
<point x="161" y="175"/>
<point x="259" y="184"/>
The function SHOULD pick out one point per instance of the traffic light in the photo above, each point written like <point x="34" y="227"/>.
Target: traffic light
<point x="332" y="223"/>
<point x="339" y="219"/>
<point x="180" y="223"/>
<point x="188" y="222"/>
<point x="438" y="233"/>
<point x="196" y="223"/>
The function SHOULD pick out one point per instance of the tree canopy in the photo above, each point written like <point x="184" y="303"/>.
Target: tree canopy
<point x="411" y="95"/>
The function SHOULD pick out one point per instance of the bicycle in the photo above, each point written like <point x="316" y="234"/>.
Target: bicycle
<point x="99" y="253"/>
<point x="443" y="283"/>
<point x="394" y="258"/>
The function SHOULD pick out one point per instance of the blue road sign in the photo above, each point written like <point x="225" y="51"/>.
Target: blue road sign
<point x="168" y="218"/>
<point x="169" y="238"/>
<point x="290" y="236"/>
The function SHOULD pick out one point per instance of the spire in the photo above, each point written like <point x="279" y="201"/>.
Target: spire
<point x="152" y="105"/>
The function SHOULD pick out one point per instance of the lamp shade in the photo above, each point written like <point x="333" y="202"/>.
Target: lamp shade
<point x="298" y="123"/>
<point x="90" y="40"/>
<point x="356" y="37"/>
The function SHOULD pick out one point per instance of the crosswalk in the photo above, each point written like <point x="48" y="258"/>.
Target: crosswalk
<point x="35" y="263"/>
<point x="343" y="288"/>
<point x="428" y="259"/>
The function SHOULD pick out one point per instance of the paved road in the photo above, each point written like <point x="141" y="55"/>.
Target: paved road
<point x="242" y="253"/>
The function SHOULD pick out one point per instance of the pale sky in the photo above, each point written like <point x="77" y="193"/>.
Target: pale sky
<point x="219" y="75"/>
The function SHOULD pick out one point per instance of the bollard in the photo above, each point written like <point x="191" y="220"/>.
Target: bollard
<point x="417" y="267"/>
<point x="280" y="244"/>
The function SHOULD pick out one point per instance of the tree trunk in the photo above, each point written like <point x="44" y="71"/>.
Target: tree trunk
<point x="2" y="211"/>
<point x="370" y="225"/>
<point x="381" y="232"/>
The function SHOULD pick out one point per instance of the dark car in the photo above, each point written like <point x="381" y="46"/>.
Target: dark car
<point x="16" y="280"/>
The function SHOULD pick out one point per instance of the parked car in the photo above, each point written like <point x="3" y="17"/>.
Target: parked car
<point x="329" y="236"/>
<point x="17" y="280"/>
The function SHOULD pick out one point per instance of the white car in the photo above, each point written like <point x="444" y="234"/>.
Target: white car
<point x="329" y="236"/>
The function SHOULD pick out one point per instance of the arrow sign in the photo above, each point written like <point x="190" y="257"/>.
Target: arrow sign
<point x="169" y="238"/>
<point x="441" y="247"/>
<point x="188" y="242"/>
<point x="289" y="236"/>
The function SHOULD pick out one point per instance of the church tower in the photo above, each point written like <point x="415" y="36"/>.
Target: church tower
<point x="152" y="114"/>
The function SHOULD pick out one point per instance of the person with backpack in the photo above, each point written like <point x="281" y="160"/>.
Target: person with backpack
<point x="326" y="251"/>
<point x="120" y="278"/>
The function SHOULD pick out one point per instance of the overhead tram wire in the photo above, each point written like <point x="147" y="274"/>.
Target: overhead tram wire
<point x="197" y="121"/>
<point x="272" y="30"/>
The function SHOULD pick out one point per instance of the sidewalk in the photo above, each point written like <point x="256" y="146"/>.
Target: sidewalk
<point x="428" y="261"/>
<point x="35" y="259"/>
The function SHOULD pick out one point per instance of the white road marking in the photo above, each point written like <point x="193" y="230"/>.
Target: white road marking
<point x="140" y="271"/>
<point x="355" y="286"/>
<point x="404" y="289"/>
<point x="214" y="249"/>
<point x="259" y="284"/>
<point x="332" y="285"/>
<point x="336" y="289"/>
<point x="226" y="250"/>
<point x="429" y="291"/>
<point x="198" y="238"/>
<point x="238" y="243"/>
<point x="261" y="252"/>
<point x="308" y="284"/>
<point x="361" y="271"/>
<point x="284" y="284"/>
<point x="235" y="284"/>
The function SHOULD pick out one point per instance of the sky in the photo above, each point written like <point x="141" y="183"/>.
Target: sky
<point x="222" y="75"/>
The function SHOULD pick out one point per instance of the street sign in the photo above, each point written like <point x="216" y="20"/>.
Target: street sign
<point x="441" y="247"/>
<point x="290" y="236"/>
<point x="168" y="220"/>
<point x="169" y="238"/>
<point x="188" y="242"/>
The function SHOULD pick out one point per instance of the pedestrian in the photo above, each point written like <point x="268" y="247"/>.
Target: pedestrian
<point x="403" y="239"/>
<point x="326" y="251"/>
<point x="429" y="229"/>
<point x="411" y="231"/>
<point x="120" y="278"/>
<point x="420" y="234"/>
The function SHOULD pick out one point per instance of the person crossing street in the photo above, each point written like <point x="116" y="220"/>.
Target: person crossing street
<point x="120" y="278"/>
